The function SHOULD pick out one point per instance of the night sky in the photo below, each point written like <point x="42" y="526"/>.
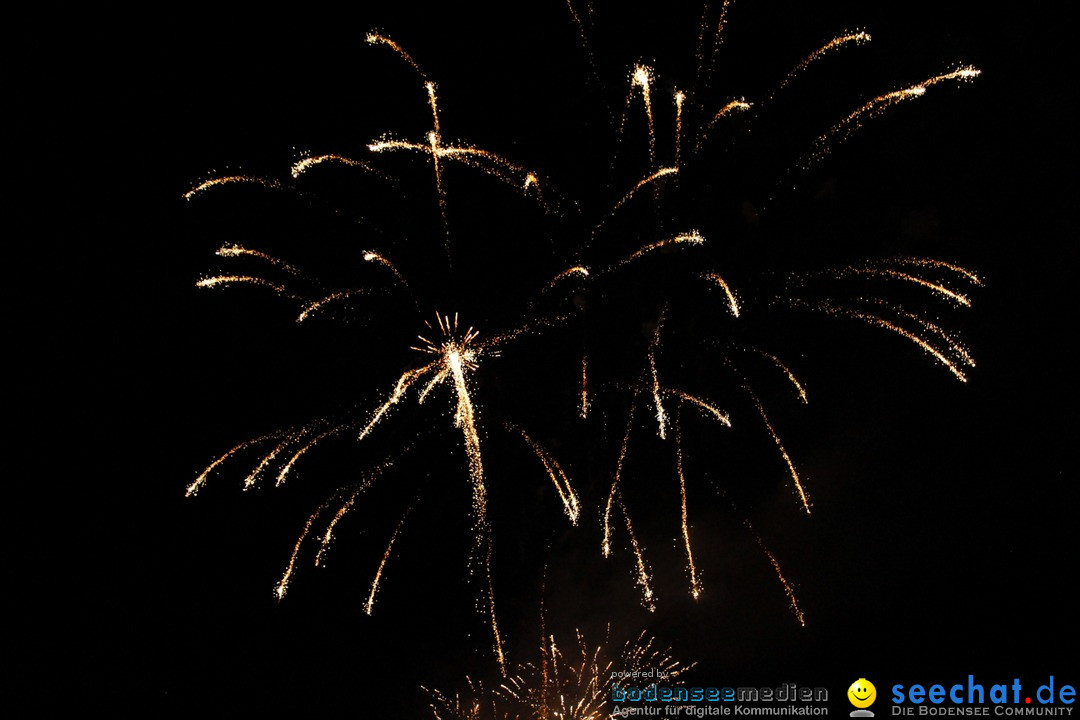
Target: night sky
<point x="943" y="538"/>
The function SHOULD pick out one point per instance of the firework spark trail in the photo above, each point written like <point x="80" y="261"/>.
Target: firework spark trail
<point x="695" y="583"/>
<point x="606" y="546"/>
<point x="238" y="251"/>
<point x="936" y="264"/>
<point x="680" y="97"/>
<point x="662" y="172"/>
<point x="328" y="534"/>
<point x="465" y="419"/>
<point x="291" y="437"/>
<point x="885" y="324"/>
<point x="488" y="162"/>
<point x="303" y="165"/>
<point x="954" y="345"/>
<point x="642" y="77"/>
<point x="319" y="304"/>
<point x="372" y="256"/>
<point x="661" y="417"/>
<point x="787" y="458"/>
<point x="788" y="590"/>
<point x="907" y="277"/>
<point x="435" y="140"/>
<point x="706" y="406"/>
<point x="583" y="36"/>
<point x="311" y="443"/>
<point x="568" y="273"/>
<point x="706" y="67"/>
<point x="584" y="408"/>
<point x="248" y="279"/>
<point x="571" y="685"/>
<point x="231" y="180"/>
<point x="859" y="38"/>
<point x="559" y="479"/>
<point x="732" y="300"/>
<point x="498" y="647"/>
<point x="874" y="107"/>
<point x="644" y="580"/>
<point x="787" y="371"/>
<point x="198" y="483"/>
<point x="283" y="585"/>
<point x="370" y="603"/>
<point x="403" y="384"/>
<point x="688" y="238"/>
<point x="376" y="39"/>
<point x="731" y="107"/>
<point x="534" y="326"/>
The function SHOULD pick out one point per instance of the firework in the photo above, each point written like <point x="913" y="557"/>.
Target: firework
<point x="631" y="242"/>
<point x="574" y="683"/>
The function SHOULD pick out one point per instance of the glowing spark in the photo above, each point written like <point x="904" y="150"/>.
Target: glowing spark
<point x="662" y="172"/>
<point x="291" y="438"/>
<point x="530" y="181"/>
<point x="404" y="382"/>
<point x="198" y="483"/>
<point x="732" y="107"/>
<point x="483" y="160"/>
<point x="790" y="376"/>
<point x="382" y="564"/>
<point x="302" y="166"/>
<point x="644" y="580"/>
<point x="575" y="684"/>
<point x="320" y="304"/>
<point x="283" y="585"/>
<point x="661" y="417"/>
<point x="491" y="607"/>
<point x="709" y="408"/>
<point x="237" y="251"/>
<point x="465" y="418"/>
<point x="858" y="38"/>
<point x="733" y="302"/>
<point x="695" y="583"/>
<point x="879" y="104"/>
<point x="931" y="263"/>
<point x="689" y="238"/>
<point x="299" y="453"/>
<point x="787" y="458"/>
<point x="372" y="256"/>
<point x="584" y="386"/>
<point x="679" y="98"/>
<point x="606" y="546"/>
<point x="376" y="39"/>
<point x="936" y="287"/>
<point x="229" y="279"/>
<point x="328" y="535"/>
<point x="788" y="590"/>
<point x="231" y="180"/>
<point x="642" y="77"/>
<point x="576" y="270"/>
<point x="558" y="477"/>
<point x="883" y="323"/>
<point x="948" y="339"/>
<point x="705" y="68"/>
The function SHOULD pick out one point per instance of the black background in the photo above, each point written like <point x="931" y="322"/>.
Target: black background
<point x="943" y="539"/>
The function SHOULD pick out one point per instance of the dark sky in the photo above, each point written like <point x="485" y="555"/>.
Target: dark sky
<point x="943" y="536"/>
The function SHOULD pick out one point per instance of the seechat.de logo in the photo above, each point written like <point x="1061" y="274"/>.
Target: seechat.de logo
<point x="862" y="694"/>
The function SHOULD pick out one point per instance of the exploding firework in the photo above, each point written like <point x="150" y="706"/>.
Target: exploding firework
<point x="650" y="313"/>
<point x="573" y="683"/>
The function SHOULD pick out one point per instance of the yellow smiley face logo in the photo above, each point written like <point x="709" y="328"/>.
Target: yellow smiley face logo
<point x="862" y="693"/>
